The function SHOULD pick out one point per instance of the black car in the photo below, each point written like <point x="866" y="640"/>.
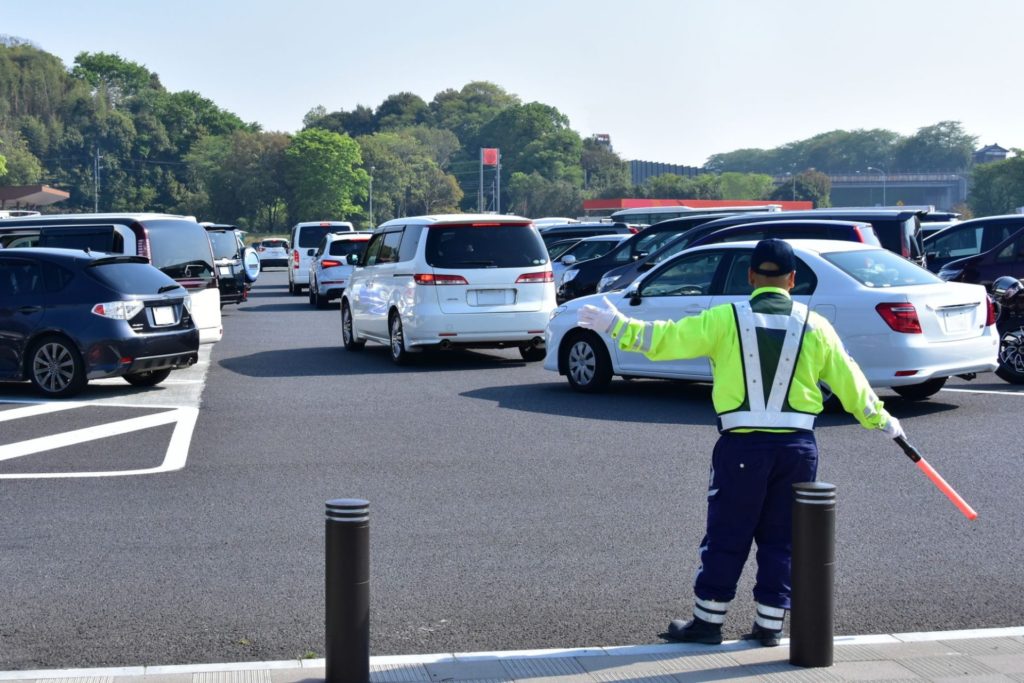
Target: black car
<point x="554" y="233"/>
<point x="897" y="230"/>
<point x="237" y="265"/>
<point x="68" y="316"/>
<point x="582" y="278"/>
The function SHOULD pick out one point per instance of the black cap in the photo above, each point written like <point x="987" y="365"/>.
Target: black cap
<point x="773" y="251"/>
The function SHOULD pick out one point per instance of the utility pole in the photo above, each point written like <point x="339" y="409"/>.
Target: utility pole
<point x="497" y="195"/>
<point x="372" y="169"/>
<point x="96" y="181"/>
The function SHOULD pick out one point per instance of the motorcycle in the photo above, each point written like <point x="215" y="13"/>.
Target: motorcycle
<point x="1008" y="296"/>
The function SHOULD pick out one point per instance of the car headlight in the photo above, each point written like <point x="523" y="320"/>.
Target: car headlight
<point x="568" y="275"/>
<point x="948" y="274"/>
<point x="606" y="282"/>
<point x="557" y="312"/>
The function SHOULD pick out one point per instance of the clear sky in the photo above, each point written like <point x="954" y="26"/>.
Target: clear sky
<point x="670" y="80"/>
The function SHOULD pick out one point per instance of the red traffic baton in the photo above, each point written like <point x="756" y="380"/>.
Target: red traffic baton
<point x="936" y="478"/>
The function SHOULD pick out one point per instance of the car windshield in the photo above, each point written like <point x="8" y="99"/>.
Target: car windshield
<point x="311" y="235"/>
<point x="556" y="249"/>
<point x="489" y="246"/>
<point x="180" y="248"/>
<point x="224" y="244"/>
<point x="880" y="268"/>
<point x="346" y="247"/>
<point x="132" y="278"/>
<point x="590" y="249"/>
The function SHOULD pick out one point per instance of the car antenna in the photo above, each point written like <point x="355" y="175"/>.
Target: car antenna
<point x="87" y="250"/>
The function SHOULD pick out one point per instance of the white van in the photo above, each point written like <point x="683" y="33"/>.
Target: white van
<point x="177" y="245"/>
<point x="306" y="237"/>
<point x="460" y="280"/>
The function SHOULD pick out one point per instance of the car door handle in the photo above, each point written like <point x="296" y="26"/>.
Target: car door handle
<point x="693" y="309"/>
<point x="30" y="309"/>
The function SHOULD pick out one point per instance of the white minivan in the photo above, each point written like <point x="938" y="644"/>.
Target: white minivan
<point x="306" y="237"/>
<point x="459" y="280"/>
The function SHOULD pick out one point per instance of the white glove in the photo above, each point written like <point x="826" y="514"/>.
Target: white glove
<point x="893" y="429"/>
<point x="599" y="318"/>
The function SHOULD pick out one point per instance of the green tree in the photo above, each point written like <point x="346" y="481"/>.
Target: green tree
<point x="464" y="112"/>
<point x="323" y="174"/>
<point x="602" y="168"/>
<point x="401" y="110"/>
<point x="811" y="185"/>
<point x="534" y="195"/>
<point x="116" y="76"/>
<point x="997" y="187"/>
<point x="942" y="147"/>
<point x="746" y="185"/>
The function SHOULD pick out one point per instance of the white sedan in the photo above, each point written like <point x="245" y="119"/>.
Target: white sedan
<point x="907" y="329"/>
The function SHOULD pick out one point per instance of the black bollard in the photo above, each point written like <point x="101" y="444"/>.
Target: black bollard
<point x="814" y="559"/>
<point x="347" y="591"/>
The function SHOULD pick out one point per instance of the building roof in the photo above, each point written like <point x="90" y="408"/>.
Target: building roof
<point x="30" y="195"/>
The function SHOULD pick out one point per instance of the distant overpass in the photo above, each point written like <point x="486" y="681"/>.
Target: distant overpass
<point x="941" y="190"/>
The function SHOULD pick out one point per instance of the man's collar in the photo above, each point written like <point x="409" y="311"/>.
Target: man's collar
<point x="769" y="290"/>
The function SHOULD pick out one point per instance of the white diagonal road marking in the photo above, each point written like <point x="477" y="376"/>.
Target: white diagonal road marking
<point x="77" y="436"/>
<point x="38" y="409"/>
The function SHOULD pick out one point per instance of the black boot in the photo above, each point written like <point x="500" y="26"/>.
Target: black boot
<point x="694" y="631"/>
<point x="767" y="637"/>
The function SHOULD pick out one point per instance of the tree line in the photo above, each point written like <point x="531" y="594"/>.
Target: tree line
<point x="111" y="134"/>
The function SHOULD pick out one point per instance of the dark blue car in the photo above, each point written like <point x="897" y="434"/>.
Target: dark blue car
<point x="68" y="316"/>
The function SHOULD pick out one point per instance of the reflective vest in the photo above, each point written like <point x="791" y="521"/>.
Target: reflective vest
<point x="767" y="407"/>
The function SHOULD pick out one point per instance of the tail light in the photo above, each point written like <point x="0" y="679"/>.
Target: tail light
<point x="295" y="259"/>
<point x="142" y="247"/>
<point x="330" y="263"/>
<point x="990" y="313"/>
<point x="432" y="279"/>
<point x="529" y="278"/>
<point x="634" y="229"/>
<point x="118" y="310"/>
<point x="901" y="317"/>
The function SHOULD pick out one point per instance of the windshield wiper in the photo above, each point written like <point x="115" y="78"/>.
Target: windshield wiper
<point x="475" y="263"/>
<point x="167" y="288"/>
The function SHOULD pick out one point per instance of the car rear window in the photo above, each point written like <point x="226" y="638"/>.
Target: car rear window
<point x="346" y="247"/>
<point x="103" y="238"/>
<point x="224" y="244"/>
<point x="490" y="246"/>
<point x="131" y="278"/>
<point x="273" y="244"/>
<point x="880" y="268"/>
<point x="180" y="248"/>
<point x="311" y="235"/>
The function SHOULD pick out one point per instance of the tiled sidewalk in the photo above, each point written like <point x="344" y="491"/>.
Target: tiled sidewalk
<point x="978" y="656"/>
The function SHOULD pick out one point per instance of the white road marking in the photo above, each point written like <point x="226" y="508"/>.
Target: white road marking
<point x="986" y="391"/>
<point x="38" y="409"/>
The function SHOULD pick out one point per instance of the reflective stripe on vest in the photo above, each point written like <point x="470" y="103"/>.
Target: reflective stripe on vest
<point x="771" y="414"/>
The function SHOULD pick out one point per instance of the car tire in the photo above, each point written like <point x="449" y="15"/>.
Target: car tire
<point x="55" y="367"/>
<point x="348" y="336"/>
<point x="399" y="354"/>
<point x="291" y="287"/>
<point x="919" y="392"/>
<point x="1011" y="358"/>
<point x="149" y="378"/>
<point x="587" y="364"/>
<point x="531" y="353"/>
<point x="312" y="294"/>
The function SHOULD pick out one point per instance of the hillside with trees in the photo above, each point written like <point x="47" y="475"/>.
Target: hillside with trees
<point x="106" y="130"/>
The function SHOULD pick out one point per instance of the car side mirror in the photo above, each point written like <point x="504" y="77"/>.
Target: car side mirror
<point x="352" y="259"/>
<point x="568" y="260"/>
<point x="640" y="254"/>
<point x="311" y="252"/>
<point x="634" y="297"/>
<point x="644" y="267"/>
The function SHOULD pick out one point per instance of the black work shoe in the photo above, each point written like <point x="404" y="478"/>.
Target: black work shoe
<point x="765" y="636"/>
<point x="694" y="631"/>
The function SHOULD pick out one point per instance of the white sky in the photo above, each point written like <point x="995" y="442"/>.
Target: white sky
<point x="670" y="80"/>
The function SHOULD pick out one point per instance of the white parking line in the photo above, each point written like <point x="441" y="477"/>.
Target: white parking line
<point x="39" y="409"/>
<point x="986" y="391"/>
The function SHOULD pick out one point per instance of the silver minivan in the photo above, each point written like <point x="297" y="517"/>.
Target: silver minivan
<point x="447" y="281"/>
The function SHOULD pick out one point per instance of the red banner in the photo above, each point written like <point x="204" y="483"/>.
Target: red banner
<point x="489" y="156"/>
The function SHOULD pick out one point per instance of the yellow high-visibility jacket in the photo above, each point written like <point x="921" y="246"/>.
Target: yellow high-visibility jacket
<point x="713" y="333"/>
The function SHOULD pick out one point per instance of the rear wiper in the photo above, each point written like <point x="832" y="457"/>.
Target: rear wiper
<point x="167" y="288"/>
<point x="476" y="263"/>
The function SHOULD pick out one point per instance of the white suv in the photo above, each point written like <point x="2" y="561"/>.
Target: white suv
<point x="332" y="265"/>
<point x="305" y="239"/>
<point x="461" y="280"/>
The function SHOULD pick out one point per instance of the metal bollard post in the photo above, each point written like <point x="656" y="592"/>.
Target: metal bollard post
<point x="347" y="590"/>
<point x="814" y="558"/>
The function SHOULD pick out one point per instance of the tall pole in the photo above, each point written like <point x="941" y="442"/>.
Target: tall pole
<point x="884" y="178"/>
<point x="96" y="181"/>
<point x="497" y="196"/>
<point x="480" y="188"/>
<point x="372" y="169"/>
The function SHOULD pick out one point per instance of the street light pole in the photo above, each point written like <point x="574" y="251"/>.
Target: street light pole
<point x="884" y="177"/>
<point x="372" y="169"/>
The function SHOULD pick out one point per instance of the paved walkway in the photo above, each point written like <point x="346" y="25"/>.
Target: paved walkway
<point x="979" y="656"/>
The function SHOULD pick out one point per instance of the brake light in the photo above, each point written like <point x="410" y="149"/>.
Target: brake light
<point x="118" y="310"/>
<point x="142" y="247"/>
<point x="432" y="279"/>
<point x="543" y="276"/>
<point x="633" y="229"/>
<point x="295" y="259"/>
<point x="901" y="317"/>
<point x="990" y="314"/>
<point x="858" y="234"/>
<point x="329" y="263"/>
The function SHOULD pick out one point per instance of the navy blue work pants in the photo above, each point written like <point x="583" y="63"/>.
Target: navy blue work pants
<point x="750" y="498"/>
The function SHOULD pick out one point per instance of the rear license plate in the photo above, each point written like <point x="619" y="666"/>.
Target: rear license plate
<point x="957" y="321"/>
<point x="163" y="315"/>
<point x="225" y="271"/>
<point x="492" y="297"/>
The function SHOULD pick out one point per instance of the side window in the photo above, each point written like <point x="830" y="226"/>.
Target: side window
<point x="55" y="278"/>
<point x="389" y="248"/>
<point x="321" y="247"/>
<point x="1012" y="251"/>
<point x="373" y="249"/>
<point x="958" y="242"/>
<point x="20" y="278"/>
<point x="407" y="251"/>
<point x="689" y="276"/>
<point x="737" y="284"/>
